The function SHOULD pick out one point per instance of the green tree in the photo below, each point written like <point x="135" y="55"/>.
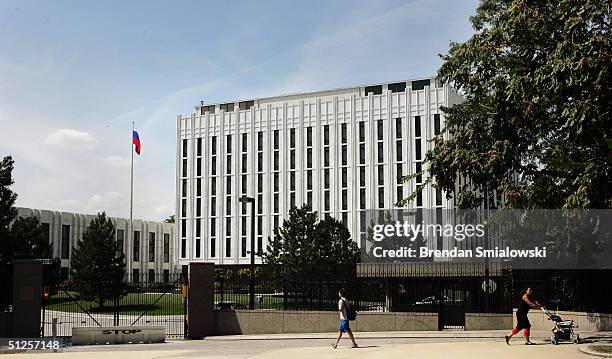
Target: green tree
<point x="98" y="266"/>
<point x="8" y="212"/>
<point x="305" y="248"/>
<point x="30" y="240"/>
<point x="535" y="123"/>
<point x="170" y="219"/>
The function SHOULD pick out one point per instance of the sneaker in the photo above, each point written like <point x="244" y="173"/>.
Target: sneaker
<point x="334" y="345"/>
<point x="507" y="339"/>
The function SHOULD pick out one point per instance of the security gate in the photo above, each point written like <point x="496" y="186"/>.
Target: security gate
<point x="141" y="302"/>
<point x="452" y="301"/>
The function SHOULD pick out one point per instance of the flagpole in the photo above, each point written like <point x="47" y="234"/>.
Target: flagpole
<point x="132" y="192"/>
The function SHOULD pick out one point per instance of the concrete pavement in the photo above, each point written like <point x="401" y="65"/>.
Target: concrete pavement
<point x="446" y="345"/>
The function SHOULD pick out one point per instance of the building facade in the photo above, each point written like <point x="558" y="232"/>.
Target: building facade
<point x="150" y="254"/>
<point x="342" y="151"/>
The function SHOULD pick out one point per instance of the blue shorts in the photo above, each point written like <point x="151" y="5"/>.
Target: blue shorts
<point x="344" y="326"/>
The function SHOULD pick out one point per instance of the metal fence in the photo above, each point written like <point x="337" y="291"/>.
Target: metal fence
<point x="281" y="291"/>
<point x="499" y="293"/>
<point x="572" y="290"/>
<point x="139" y="301"/>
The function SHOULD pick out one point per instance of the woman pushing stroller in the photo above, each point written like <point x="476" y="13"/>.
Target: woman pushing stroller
<point x="522" y="322"/>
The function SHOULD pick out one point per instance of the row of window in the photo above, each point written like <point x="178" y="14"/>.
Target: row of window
<point x="120" y="233"/>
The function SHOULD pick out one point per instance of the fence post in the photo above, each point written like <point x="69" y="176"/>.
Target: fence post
<point x="54" y="331"/>
<point x="284" y="291"/>
<point x="200" y="313"/>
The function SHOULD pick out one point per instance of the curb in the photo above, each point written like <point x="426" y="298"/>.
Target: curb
<point x="586" y="350"/>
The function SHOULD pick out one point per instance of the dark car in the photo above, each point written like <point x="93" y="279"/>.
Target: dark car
<point x="226" y="305"/>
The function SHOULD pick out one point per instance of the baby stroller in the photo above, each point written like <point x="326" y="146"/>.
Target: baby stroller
<point x="563" y="330"/>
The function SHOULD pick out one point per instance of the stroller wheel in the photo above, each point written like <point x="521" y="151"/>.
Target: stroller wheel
<point x="554" y="340"/>
<point x="577" y="339"/>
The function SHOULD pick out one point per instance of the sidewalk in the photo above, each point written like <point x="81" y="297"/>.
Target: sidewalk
<point x="376" y="345"/>
<point x="447" y="334"/>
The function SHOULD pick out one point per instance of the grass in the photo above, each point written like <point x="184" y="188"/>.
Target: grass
<point x="606" y="349"/>
<point x="171" y="303"/>
<point x="131" y="304"/>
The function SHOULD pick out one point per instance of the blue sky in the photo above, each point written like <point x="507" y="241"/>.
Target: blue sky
<point x="75" y="74"/>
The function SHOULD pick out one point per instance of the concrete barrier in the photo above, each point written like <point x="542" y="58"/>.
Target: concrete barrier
<point x="118" y="335"/>
<point x="488" y="321"/>
<point x="591" y="322"/>
<point x="278" y="322"/>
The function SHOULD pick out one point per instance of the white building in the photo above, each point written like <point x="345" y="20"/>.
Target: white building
<point x="340" y="150"/>
<point x="151" y="255"/>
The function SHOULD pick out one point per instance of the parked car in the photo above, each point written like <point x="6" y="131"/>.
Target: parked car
<point x="433" y="300"/>
<point x="227" y="305"/>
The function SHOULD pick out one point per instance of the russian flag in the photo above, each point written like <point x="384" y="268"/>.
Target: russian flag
<point x="136" y="141"/>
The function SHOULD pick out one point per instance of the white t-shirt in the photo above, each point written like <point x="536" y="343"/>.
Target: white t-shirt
<point x="342" y="309"/>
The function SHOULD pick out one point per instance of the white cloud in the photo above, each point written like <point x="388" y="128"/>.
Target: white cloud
<point x="117" y="161"/>
<point x="70" y="138"/>
<point x="109" y="201"/>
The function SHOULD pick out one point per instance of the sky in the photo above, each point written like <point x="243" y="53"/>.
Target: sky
<point x="74" y="75"/>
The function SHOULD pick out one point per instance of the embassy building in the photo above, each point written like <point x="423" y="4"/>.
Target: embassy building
<point x="150" y="254"/>
<point x="342" y="151"/>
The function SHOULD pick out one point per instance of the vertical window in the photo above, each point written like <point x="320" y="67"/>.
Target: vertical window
<point x="213" y="240"/>
<point x="361" y="131"/>
<point x="326" y="135"/>
<point x="292" y="138"/>
<point x="437" y="124"/>
<point x="362" y="154"/>
<point x="120" y="239"/>
<point x="166" y="248"/>
<point x="136" y="247"/>
<point x="276" y="140"/>
<point x="228" y="144"/>
<point x="183" y="238"/>
<point x="213" y="146"/>
<point x="65" y="253"/>
<point x="309" y="136"/>
<point x="151" y="246"/>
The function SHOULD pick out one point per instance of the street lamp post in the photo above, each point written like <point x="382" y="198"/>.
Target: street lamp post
<point x="246" y="199"/>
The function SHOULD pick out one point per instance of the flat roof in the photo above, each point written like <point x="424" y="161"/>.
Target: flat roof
<point x="311" y="93"/>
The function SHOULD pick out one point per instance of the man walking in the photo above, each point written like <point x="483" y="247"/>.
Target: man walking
<point x="522" y="322"/>
<point x="344" y="320"/>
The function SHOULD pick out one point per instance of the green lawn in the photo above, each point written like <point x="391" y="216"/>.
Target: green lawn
<point x="131" y="304"/>
<point x="171" y="303"/>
